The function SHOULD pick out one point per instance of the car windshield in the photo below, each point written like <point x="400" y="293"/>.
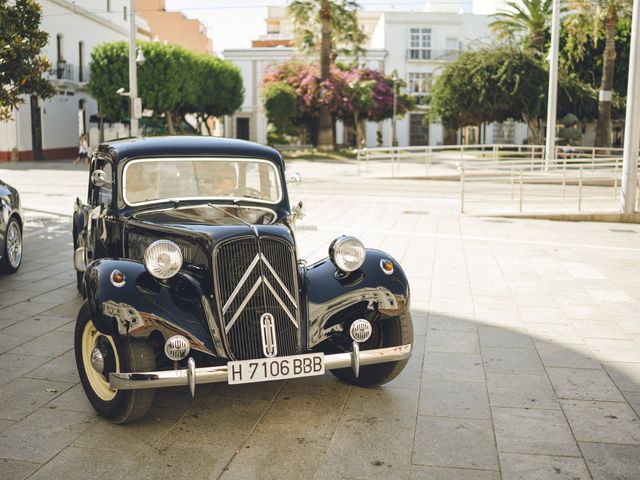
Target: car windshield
<point x="154" y="180"/>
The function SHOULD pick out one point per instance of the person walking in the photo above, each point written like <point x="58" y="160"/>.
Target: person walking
<point x="83" y="150"/>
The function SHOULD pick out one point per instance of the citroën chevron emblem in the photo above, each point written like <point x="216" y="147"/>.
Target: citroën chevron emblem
<point x="261" y="280"/>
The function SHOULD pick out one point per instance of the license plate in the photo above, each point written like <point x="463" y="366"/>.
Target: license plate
<point x="279" y="368"/>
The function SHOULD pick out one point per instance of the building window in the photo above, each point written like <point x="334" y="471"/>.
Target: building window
<point x="81" y="61"/>
<point x="60" y="63"/>
<point x="273" y="27"/>
<point x="124" y="13"/>
<point x="420" y="86"/>
<point x="419" y="44"/>
<point x="418" y="129"/>
<point x="451" y="43"/>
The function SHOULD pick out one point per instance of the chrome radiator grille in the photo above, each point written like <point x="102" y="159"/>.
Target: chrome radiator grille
<point x="254" y="278"/>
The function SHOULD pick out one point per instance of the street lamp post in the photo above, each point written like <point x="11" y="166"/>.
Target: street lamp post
<point x="553" y="84"/>
<point x="395" y="109"/>
<point x="133" y="74"/>
<point x="632" y="120"/>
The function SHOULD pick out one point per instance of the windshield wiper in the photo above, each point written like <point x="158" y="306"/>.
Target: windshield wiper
<point x="231" y="214"/>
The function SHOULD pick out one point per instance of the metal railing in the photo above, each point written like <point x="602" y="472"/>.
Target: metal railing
<point x="442" y="55"/>
<point x="509" y="176"/>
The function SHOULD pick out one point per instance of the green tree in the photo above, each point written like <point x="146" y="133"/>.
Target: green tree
<point x="214" y="88"/>
<point x="109" y="72"/>
<point x="531" y="17"/>
<point x="280" y="104"/>
<point x="360" y="95"/>
<point x="494" y="84"/>
<point x="163" y="80"/>
<point x="584" y="60"/>
<point x="586" y="17"/>
<point x="330" y="24"/>
<point x="172" y="82"/>
<point x="21" y="64"/>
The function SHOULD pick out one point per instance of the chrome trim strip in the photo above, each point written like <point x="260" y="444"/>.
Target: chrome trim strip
<point x="243" y="304"/>
<point x="241" y="283"/>
<point x="268" y="331"/>
<point x="280" y="282"/>
<point x="213" y="327"/>
<point x="174" y="378"/>
<point x="279" y="300"/>
<point x="192" y="159"/>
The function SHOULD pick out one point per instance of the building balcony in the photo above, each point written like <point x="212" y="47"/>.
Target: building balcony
<point x="68" y="72"/>
<point x="276" y="37"/>
<point x="430" y="54"/>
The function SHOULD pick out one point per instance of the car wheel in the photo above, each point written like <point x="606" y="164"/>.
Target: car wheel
<point x="12" y="255"/>
<point x="97" y="355"/>
<point x="387" y="332"/>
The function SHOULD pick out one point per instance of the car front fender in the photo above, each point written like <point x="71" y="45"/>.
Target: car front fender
<point x="333" y="298"/>
<point x="144" y="305"/>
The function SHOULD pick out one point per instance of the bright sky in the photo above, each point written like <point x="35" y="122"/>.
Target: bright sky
<point x="233" y="24"/>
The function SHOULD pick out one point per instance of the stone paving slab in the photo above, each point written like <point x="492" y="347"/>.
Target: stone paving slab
<point x="525" y="361"/>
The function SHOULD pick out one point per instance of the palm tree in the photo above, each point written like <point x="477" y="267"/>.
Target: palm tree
<point x="530" y="16"/>
<point x="587" y="16"/>
<point x="331" y="24"/>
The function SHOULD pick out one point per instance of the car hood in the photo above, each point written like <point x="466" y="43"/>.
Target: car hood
<point x="214" y="223"/>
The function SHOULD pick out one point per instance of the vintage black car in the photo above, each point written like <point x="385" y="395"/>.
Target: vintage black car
<point x="11" y="222"/>
<point x="186" y="255"/>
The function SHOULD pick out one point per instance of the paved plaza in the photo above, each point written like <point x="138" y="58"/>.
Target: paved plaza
<point x="526" y="361"/>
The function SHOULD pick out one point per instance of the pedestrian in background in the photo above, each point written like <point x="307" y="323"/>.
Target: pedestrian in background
<point x="83" y="150"/>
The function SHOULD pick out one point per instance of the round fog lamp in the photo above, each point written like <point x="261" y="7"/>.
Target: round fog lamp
<point x="163" y="259"/>
<point x="360" y="330"/>
<point x="176" y="348"/>
<point x="347" y="253"/>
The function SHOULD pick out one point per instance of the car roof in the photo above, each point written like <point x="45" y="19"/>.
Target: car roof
<point x="172" y="146"/>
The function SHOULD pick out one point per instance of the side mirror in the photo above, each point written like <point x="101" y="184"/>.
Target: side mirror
<point x="299" y="211"/>
<point x="99" y="178"/>
<point x="294" y="178"/>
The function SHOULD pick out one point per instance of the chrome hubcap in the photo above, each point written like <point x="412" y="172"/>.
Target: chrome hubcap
<point x="14" y="245"/>
<point x="97" y="360"/>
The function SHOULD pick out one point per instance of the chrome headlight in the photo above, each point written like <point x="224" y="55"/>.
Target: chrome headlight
<point x="347" y="253"/>
<point x="163" y="259"/>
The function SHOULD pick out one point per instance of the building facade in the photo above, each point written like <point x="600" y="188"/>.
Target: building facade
<point x="414" y="46"/>
<point x="174" y="27"/>
<point x="49" y="129"/>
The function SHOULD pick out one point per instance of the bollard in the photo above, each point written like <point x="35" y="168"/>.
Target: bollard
<point x="521" y="189"/>
<point x="461" y="188"/>
<point x="580" y="191"/>
<point x="511" y="181"/>
<point x="564" y="179"/>
<point x="426" y="162"/>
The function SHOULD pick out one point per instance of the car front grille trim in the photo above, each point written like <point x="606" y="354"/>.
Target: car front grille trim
<point x="253" y="277"/>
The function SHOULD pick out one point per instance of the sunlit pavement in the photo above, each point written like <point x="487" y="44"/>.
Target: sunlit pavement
<point x="526" y="358"/>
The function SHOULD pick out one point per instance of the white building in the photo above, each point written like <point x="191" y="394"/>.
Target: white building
<point x="413" y="45"/>
<point x="49" y="129"/>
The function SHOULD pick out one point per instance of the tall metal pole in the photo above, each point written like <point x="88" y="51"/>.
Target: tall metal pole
<point x="632" y="120"/>
<point x="553" y="84"/>
<point x="395" y="108"/>
<point x="133" y="74"/>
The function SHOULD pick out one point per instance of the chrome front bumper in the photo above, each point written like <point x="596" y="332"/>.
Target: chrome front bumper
<point x="191" y="375"/>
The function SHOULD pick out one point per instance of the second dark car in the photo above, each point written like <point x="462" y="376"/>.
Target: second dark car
<point x="11" y="222"/>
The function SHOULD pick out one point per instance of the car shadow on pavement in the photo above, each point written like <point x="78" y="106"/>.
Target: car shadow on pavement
<point x="476" y="399"/>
